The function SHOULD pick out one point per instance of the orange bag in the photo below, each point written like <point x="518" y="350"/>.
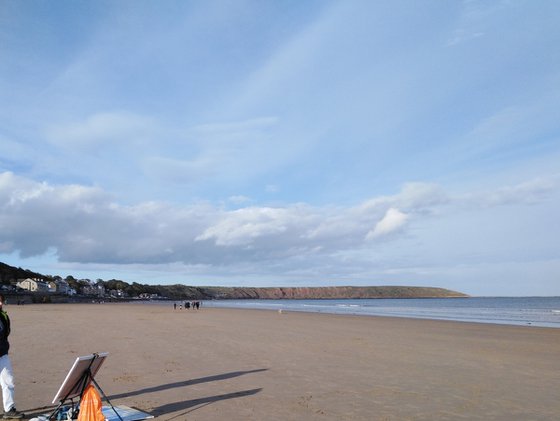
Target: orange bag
<point x="90" y="406"/>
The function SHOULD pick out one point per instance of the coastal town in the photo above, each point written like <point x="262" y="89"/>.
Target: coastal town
<point x="70" y="287"/>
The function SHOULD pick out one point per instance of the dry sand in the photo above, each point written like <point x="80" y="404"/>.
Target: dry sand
<point x="220" y="364"/>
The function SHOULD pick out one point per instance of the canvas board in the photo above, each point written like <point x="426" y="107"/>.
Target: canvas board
<point x="70" y="387"/>
<point x="126" y="413"/>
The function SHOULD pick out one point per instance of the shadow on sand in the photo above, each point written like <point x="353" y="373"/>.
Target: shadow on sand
<point x="177" y="406"/>
<point x="182" y="405"/>
<point x="185" y="383"/>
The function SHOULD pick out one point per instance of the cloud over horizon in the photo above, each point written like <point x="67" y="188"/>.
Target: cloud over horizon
<point x="85" y="225"/>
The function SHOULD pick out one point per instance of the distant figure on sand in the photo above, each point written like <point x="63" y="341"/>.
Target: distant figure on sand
<point x="174" y="306"/>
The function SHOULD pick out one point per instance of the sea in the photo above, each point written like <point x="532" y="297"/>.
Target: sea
<point x="528" y="311"/>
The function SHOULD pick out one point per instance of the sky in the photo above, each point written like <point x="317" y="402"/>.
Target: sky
<point x="283" y="143"/>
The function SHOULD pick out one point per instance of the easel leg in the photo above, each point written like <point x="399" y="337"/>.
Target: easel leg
<point x="106" y="398"/>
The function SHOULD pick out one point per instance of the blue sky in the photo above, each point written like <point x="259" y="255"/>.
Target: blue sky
<point x="283" y="143"/>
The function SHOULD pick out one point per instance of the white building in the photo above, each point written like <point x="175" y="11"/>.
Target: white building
<point x="34" y="285"/>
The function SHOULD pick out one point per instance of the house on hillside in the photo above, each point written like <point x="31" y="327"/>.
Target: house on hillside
<point x="62" y="286"/>
<point x="97" y="290"/>
<point x="33" y="285"/>
<point x="117" y="293"/>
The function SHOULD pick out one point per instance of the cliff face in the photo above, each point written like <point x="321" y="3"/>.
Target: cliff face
<point x="330" y="292"/>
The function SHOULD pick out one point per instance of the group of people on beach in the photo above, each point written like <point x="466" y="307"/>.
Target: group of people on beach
<point x="195" y="305"/>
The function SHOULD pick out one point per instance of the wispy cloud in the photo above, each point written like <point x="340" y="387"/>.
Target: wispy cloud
<point x="529" y="192"/>
<point x="475" y="19"/>
<point x="460" y="36"/>
<point x="101" y="130"/>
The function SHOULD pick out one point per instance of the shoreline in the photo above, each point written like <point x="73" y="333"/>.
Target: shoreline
<point x="533" y="316"/>
<point x="215" y="363"/>
<point x="450" y="320"/>
<point x="208" y="304"/>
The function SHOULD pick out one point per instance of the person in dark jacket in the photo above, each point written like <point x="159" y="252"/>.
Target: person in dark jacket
<point x="6" y="376"/>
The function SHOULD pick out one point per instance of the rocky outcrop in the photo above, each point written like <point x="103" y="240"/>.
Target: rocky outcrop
<point x="329" y="292"/>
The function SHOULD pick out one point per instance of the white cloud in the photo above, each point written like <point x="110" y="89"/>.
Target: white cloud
<point x="413" y="197"/>
<point x="393" y="221"/>
<point x="85" y="224"/>
<point x="244" y="226"/>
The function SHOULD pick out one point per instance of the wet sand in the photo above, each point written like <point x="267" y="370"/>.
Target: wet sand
<point x="218" y="364"/>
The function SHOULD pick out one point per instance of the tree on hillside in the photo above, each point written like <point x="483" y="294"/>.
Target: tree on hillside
<point x="116" y="284"/>
<point x="135" y="290"/>
<point x="10" y="273"/>
<point x="72" y="282"/>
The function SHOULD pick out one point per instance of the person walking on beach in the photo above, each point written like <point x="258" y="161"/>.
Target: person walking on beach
<point x="6" y="376"/>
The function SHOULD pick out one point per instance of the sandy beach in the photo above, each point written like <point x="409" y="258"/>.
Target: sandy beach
<point x="218" y="364"/>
